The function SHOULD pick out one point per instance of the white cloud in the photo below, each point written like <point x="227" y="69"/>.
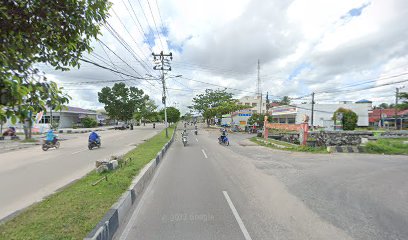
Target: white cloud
<point x="221" y="42"/>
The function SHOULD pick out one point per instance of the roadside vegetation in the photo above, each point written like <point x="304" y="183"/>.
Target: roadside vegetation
<point x="388" y="146"/>
<point x="74" y="211"/>
<point x="275" y="144"/>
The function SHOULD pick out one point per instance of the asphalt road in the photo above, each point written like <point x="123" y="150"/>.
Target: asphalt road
<point x="208" y="191"/>
<point x="28" y="175"/>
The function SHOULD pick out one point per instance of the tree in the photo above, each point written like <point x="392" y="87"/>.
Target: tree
<point x="349" y="120"/>
<point x="146" y="112"/>
<point x="173" y="114"/>
<point x="187" y="117"/>
<point x="403" y="96"/>
<point x="121" y="102"/>
<point x="383" y="105"/>
<point x="258" y="119"/>
<point x="52" y="32"/>
<point x="285" y="101"/>
<point x="207" y="103"/>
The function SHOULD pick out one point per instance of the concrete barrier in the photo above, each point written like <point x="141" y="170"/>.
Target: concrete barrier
<point x="110" y="223"/>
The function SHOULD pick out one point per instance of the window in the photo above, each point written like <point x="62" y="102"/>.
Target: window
<point x="46" y="119"/>
<point x="246" y="104"/>
<point x="254" y="104"/>
<point x="282" y="120"/>
<point x="240" y="103"/>
<point x="291" y="120"/>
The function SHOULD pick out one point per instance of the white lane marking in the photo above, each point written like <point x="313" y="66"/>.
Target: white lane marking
<point x="205" y="155"/>
<point x="79" y="151"/>
<point x="237" y="217"/>
<point x="196" y="139"/>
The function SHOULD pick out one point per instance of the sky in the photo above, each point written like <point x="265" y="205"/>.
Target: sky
<point x="342" y="50"/>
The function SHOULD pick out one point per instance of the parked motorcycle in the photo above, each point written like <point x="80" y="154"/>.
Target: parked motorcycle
<point x="50" y="144"/>
<point x="224" y="140"/>
<point x="94" y="144"/>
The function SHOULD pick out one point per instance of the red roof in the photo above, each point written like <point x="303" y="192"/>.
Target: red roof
<point x="376" y="114"/>
<point x="403" y="112"/>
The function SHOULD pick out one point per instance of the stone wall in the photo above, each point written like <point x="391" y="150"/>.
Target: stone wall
<point x="339" y="138"/>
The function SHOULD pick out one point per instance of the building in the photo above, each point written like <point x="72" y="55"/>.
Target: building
<point x="69" y="117"/>
<point x="386" y="118"/>
<point x="323" y="113"/>
<point x="253" y="103"/>
<point x="237" y="118"/>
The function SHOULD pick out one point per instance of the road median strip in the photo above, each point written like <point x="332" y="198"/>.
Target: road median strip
<point x="73" y="212"/>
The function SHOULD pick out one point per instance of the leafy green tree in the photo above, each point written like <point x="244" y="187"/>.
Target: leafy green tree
<point x="285" y="100"/>
<point x="52" y="32"/>
<point x="258" y="119"/>
<point x="173" y="114"/>
<point x="211" y="103"/>
<point x="404" y="97"/>
<point x="349" y="120"/>
<point x="383" y="105"/>
<point x="146" y="112"/>
<point x="122" y="102"/>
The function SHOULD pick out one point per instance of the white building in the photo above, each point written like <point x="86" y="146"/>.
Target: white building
<point x="323" y="113"/>
<point x="253" y="102"/>
<point x="67" y="118"/>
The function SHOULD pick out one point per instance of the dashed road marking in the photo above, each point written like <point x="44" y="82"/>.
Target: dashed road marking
<point x="205" y="155"/>
<point x="237" y="217"/>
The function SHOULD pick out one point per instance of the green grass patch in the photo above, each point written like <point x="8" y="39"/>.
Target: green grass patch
<point x="74" y="211"/>
<point x="388" y="146"/>
<point x="289" y="146"/>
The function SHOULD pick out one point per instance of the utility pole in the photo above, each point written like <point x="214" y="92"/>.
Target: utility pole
<point x="396" y="105"/>
<point x="163" y="65"/>
<point x="313" y="102"/>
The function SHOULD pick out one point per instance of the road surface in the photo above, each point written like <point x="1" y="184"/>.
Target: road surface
<point x="208" y="191"/>
<point x="28" y="175"/>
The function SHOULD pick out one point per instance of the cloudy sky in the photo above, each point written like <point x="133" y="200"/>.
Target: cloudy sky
<point x="333" y="48"/>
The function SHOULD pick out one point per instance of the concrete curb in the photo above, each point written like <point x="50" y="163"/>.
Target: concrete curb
<point x="110" y="223"/>
<point x="346" y="149"/>
<point x="79" y="131"/>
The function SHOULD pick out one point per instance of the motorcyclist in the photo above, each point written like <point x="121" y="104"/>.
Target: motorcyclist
<point x="223" y="134"/>
<point x="51" y="137"/>
<point x="94" y="137"/>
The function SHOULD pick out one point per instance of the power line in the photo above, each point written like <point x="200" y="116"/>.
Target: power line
<point x="154" y="21"/>
<point x="130" y="35"/>
<point x="158" y="10"/>
<point x="139" y="26"/>
<point x="144" y="14"/>
<point x="126" y="46"/>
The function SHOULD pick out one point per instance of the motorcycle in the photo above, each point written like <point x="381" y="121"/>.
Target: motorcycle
<point x="93" y="144"/>
<point x="184" y="140"/>
<point x="224" y="140"/>
<point x="50" y="144"/>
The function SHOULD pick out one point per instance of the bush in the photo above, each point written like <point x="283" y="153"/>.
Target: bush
<point x="349" y="120"/>
<point x="89" y="122"/>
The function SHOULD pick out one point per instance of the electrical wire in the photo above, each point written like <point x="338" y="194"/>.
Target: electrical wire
<point x="155" y="25"/>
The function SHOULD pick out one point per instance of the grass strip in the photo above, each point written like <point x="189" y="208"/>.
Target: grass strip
<point x="387" y="146"/>
<point x="74" y="211"/>
<point x="288" y="146"/>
